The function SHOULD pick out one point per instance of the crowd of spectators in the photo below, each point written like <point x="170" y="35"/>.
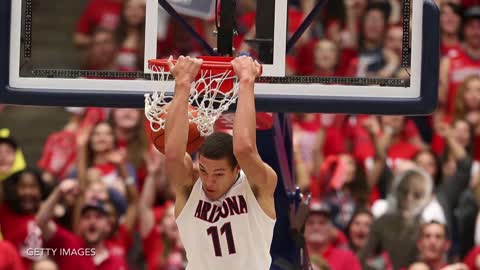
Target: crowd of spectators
<point x="388" y="192"/>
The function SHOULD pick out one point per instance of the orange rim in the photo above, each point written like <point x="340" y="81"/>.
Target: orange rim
<point x="205" y="65"/>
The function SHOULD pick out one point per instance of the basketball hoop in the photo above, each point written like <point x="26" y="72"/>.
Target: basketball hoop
<point x="214" y="90"/>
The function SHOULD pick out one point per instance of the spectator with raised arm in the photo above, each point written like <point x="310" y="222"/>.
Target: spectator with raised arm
<point x="93" y="228"/>
<point x="130" y="130"/>
<point x="157" y="226"/>
<point x="59" y="152"/>
<point x="98" y="148"/>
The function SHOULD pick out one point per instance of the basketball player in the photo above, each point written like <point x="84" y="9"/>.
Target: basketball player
<point x="226" y="216"/>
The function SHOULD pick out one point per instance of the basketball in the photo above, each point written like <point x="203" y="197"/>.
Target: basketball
<point x="194" y="137"/>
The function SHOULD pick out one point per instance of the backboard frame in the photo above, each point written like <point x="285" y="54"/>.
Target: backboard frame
<point x="266" y="100"/>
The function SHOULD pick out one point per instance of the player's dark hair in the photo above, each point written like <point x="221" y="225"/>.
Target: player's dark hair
<point x="218" y="146"/>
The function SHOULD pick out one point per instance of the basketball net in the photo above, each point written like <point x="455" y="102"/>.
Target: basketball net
<point x="211" y="94"/>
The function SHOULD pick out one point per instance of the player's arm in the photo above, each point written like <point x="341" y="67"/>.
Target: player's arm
<point x="178" y="162"/>
<point x="261" y="177"/>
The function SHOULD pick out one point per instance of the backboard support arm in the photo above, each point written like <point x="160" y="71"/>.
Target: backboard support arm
<point x="226" y="28"/>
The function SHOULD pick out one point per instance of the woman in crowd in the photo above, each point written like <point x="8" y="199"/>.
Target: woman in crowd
<point x="130" y="36"/>
<point x="358" y="230"/>
<point x="23" y="192"/>
<point x="129" y="129"/>
<point x="450" y="26"/>
<point x="98" y="148"/>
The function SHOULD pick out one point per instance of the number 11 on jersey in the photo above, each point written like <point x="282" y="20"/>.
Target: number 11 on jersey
<point x="227" y="230"/>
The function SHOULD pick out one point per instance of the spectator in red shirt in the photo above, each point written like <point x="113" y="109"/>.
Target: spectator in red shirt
<point x="453" y="71"/>
<point x="308" y="137"/>
<point x="326" y="57"/>
<point x="161" y="242"/>
<point x="343" y="186"/>
<point x="450" y="26"/>
<point x="9" y="259"/>
<point x="89" y="242"/>
<point x="97" y="14"/>
<point x="59" y="152"/>
<point x="130" y="129"/>
<point x="98" y="149"/>
<point x="467" y="106"/>
<point x="433" y="245"/>
<point x="23" y="192"/>
<point x="404" y="141"/>
<point x="318" y="235"/>
<point x="102" y="51"/>
<point x="131" y="36"/>
<point x="119" y="237"/>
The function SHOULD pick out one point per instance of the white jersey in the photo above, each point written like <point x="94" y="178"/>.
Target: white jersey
<point x="232" y="233"/>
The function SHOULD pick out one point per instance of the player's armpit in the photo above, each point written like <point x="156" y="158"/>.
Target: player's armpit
<point x="261" y="177"/>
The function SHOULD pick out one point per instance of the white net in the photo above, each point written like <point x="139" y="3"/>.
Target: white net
<point x="207" y="99"/>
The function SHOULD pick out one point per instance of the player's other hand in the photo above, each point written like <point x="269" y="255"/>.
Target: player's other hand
<point x="185" y="69"/>
<point x="246" y="68"/>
